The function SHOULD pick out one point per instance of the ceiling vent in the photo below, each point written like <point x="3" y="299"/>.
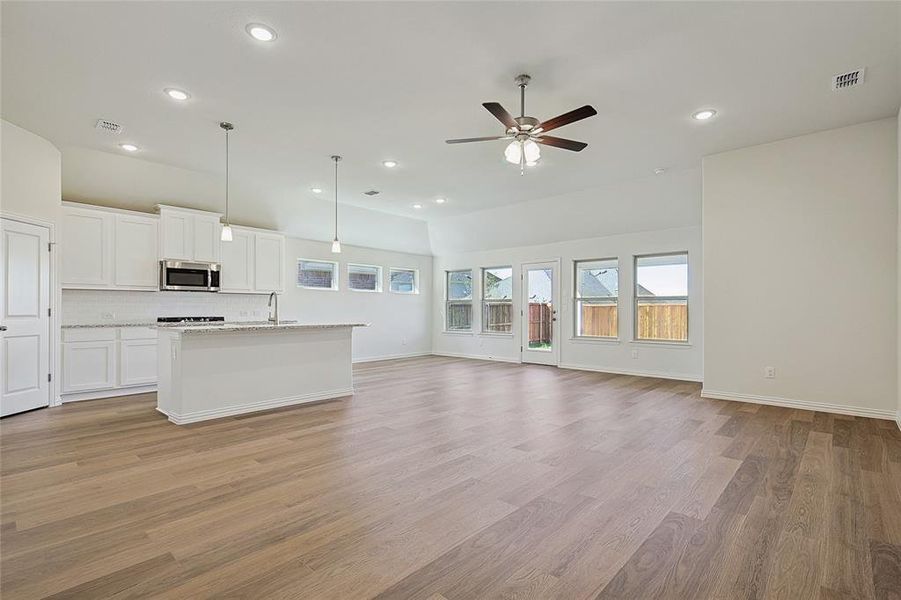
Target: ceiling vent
<point x="843" y="81"/>
<point x="371" y="193"/>
<point x="108" y="126"/>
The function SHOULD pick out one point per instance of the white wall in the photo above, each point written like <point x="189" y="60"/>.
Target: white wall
<point x="800" y="259"/>
<point x="656" y="202"/>
<point x="106" y="179"/>
<point x="668" y="360"/>
<point x="898" y="416"/>
<point x="29" y="174"/>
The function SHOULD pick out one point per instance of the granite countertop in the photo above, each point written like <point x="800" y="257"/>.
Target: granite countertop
<point x="259" y="327"/>
<point x="95" y="325"/>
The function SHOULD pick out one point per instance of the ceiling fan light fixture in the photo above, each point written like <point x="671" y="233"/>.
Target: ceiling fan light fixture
<point x="532" y="164"/>
<point x="513" y="153"/>
<point x="531" y="151"/>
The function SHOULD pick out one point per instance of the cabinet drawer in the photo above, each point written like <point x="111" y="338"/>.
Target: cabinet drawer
<point x="90" y="334"/>
<point x="137" y="333"/>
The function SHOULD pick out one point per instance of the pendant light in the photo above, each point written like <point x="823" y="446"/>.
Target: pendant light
<point x="227" y="228"/>
<point x="336" y="245"/>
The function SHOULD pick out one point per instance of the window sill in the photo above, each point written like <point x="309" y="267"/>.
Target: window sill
<point x="661" y="343"/>
<point x="446" y="332"/>
<point x="403" y="293"/>
<point x="321" y="289"/>
<point x="595" y="340"/>
<point x="365" y="291"/>
<point x="496" y="334"/>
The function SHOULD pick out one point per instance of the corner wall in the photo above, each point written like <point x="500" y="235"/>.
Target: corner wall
<point x="801" y="268"/>
<point x="29" y="174"/>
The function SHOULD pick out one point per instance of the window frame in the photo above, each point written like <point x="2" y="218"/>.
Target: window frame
<point x="577" y="315"/>
<point x="378" y="281"/>
<point x="415" y="280"/>
<point x="686" y="297"/>
<point x="448" y="301"/>
<point x="336" y="274"/>
<point x="485" y="303"/>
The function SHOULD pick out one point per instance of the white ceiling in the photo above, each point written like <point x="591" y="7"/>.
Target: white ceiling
<point x="378" y="80"/>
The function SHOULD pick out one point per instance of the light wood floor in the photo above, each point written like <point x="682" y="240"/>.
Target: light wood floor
<point x="447" y="478"/>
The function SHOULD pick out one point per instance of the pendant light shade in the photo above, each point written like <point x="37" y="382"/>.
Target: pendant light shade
<point x="226" y="235"/>
<point x="336" y="245"/>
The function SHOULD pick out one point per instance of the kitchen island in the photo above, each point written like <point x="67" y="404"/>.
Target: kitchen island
<point x="214" y="371"/>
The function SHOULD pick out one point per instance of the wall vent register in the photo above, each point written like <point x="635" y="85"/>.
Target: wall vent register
<point x="843" y="81"/>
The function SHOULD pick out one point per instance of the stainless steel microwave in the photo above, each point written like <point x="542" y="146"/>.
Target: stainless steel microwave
<point x="182" y="276"/>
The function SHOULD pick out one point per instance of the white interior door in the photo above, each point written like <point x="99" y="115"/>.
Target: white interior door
<point x="24" y="318"/>
<point x="540" y="300"/>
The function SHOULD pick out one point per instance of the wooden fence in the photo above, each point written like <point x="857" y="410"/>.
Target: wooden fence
<point x="541" y="322"/>
<point x="599" y="320"/>
<point x="655" y="321"/>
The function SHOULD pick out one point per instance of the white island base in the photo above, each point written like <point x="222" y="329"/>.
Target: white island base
<point x="209" y="372"/>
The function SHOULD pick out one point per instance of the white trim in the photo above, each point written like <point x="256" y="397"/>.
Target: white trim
<point x="55" y="358"/>
<point x="195" y="211"/>
<point x="655" y="374"/>
<point x="110" y="393"/>
<point x="370" y="359"/>
<point x="458" y="332"/>
<point x="218" y="413"/>
<point x="661" y="344"/>
<point x="898" y="419"/>
<point x="840" y="409"/>
<point x="587" y="339"/>
<point x="477" y="357"/>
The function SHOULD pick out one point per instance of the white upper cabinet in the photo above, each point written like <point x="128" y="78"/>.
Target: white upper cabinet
<point x="269" y="262"/>
<point x="86" y="248"/>
<point x="253" y="262"/>
<point x="237" y="262"/>
<point x="135" y="253"/>
<point x="189" y="234"/>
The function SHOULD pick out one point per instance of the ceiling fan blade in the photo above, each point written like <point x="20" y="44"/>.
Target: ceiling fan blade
<point x="561" y="143"/>
<point x="567" y="118"/>
<point x="478" y="139"/>
<point x="501" y="114"/>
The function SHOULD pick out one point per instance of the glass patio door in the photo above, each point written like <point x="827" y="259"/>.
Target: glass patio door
<point x="540" y="293"/>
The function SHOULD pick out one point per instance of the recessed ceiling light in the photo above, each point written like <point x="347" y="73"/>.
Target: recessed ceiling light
<point x="703" y="115"/>
<point x="260" y="32"/>
<point x="129" y="147"/>
<point x="389" y="163"/>
<point x="440" y="200"/>
<point x="659" y="171"/>
<point x="177" y="94"/>
<point x="316" y="190"/>
<point x="417" y="206"/>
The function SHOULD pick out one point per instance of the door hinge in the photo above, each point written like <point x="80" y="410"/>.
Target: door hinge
<point x="49" y="311"/>
<point x="49" y="377"/>
<point x="49" y="246"/>
<point x="520" y="348"/>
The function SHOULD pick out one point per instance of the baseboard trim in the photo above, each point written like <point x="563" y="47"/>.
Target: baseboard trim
<point x="477" y="357"/>
<point x="656" y="374"/>
<point x="839" y="409"/>
<point x="898" y="420"/>
<point x="230" y="411"/>
<point x="112" y="393"/>
<point x="370" y="359"/>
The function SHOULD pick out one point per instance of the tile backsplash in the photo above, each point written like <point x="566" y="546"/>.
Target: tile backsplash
<point x="98" y="306"/>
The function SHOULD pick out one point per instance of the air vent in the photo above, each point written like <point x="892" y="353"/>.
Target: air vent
<point x="371" y="193"/>
<point x="847" y="80"/>
<point x="108" y="126"/>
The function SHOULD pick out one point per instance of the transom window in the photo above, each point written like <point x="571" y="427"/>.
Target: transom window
<point x="458" y="308"/>
<point x="596" y="298"/>
<point x="364" y="278"/>
<point x="403" y="281"/>
<point x="497" y="300"/>
<point x="661" y="297"/>
<point x="317" y="274"/>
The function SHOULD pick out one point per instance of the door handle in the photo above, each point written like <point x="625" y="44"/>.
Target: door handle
<point x="2" y="327"/>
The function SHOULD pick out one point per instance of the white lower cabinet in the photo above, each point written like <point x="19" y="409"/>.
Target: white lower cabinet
<point x="105" y="361"/>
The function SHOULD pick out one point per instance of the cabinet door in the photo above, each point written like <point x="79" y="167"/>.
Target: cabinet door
<point x="237" y="262"/>
<point x="86" y="248"/>
<point x="89" y="366"/>
<point x="136" y="264"/>
<point x="137" y="362"/>
<point x="176" y="235"/>
<point x="269" y="262"/>
<point x="207" y="233"/>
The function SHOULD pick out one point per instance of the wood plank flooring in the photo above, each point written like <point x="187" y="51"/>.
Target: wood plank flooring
<point x="454" y="479"/>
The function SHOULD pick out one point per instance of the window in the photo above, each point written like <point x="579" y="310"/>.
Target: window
<point x="403" y="281"/>
<point x="661" y="297"/>
<point x="317" y="274"/>
<point x="497" y="300"/>
<point x="596" y="298"/>
<point x="458" y="291"/>
<point x="364" y="278"/>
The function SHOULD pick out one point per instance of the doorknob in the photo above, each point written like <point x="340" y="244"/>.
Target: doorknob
<point x="2" y="327"/>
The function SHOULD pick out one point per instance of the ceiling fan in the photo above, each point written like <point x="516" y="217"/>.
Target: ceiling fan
<point x="526" y="133"/>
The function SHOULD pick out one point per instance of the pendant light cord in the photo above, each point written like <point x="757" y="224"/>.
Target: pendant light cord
<point x="336" y="198"/>
<point x="226" y="177"/>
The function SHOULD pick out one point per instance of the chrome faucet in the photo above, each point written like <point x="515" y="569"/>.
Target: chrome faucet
<point x="273" y="318"/>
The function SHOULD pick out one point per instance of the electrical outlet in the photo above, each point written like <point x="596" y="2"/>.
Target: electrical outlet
<point x="403" y="341"/>
<point x="634" y="353"/>
<point x="769" y="372"/>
